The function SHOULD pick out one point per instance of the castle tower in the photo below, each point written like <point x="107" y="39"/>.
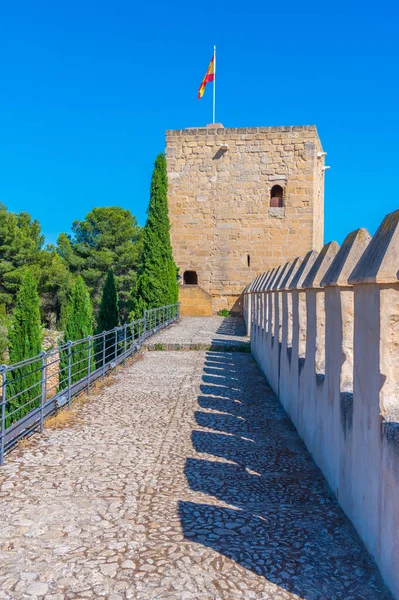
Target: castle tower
<point x="241" y="201"/>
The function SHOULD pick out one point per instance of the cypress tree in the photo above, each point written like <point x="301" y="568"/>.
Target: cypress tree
<point x="156" y="281"/>
<point x="25" y="341"/>
<point x="78" y="325"/>
<point x="108" y="318"/>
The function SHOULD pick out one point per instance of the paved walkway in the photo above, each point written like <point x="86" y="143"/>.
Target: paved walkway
<point x="183" y="480"/>
<point x="203" y="333"/>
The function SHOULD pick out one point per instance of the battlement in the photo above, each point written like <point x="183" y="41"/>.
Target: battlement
<point x="218" y="129"/>
<point x="324" y="330"/>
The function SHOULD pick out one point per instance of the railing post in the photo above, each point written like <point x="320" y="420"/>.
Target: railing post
<point x="116" y="344"/>
<point x="69" y="373"/>
<point x="43" y="387"/>
<point x="3" y="411"/>
<point x="103" y="355"/>
<point x="88" y="363"/>
<point x="144" y="325"/>
<point x="124" y="343"/>
<point x="132" y="337"/>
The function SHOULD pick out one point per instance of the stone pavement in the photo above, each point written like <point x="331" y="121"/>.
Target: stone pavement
<point x="183" y="480"/>
<point x="202" y="333"/>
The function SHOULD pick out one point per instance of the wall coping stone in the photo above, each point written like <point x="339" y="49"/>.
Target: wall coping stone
<point x="380" y="261"/>
<point x="253" y="284"/>
<point x="294" y="267"/>
<point x="320" y="266"/>
<point x="283" y="271"/>
<point x="347" y="258"/>
<point x="274" y="277"/>
<point x="303" y="269"/>
<point x="262" y="281"/>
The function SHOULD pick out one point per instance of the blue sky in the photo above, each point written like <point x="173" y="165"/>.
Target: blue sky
<point x="87" y="89"/>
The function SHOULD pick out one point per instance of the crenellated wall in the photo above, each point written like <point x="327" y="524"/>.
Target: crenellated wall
<point x="325" y="331"/>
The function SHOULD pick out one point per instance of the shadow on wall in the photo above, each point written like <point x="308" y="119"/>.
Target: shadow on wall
<point x="283" y="523"/>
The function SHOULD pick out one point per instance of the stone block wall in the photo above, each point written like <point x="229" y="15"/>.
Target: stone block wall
<point x="194" y="301"/>
<point x="325" y="331"/>
<point x="222" y="224"/>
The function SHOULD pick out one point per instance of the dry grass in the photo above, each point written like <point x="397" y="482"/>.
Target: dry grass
<point x="61" y="418"/>
<point x="25" y="442"/>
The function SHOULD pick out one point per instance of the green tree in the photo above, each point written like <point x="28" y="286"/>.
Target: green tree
<point x="21" y="244"/>
<point x="78" y="325"/>
<point x="55" y="284"/>
<point x="108" y="315"/>
<point x="108" y="318"/>
<point x="21" y="248"/>
<point x="157" y="278"/>
<point x="25" y="341"/>
<point x="108" y="237"/>
<point x="4" y="327"/>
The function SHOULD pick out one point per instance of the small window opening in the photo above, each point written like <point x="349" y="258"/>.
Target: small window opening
<point x="190" y="278"/>
<point x="248" y="260"/>
<point x="277" y="197"/>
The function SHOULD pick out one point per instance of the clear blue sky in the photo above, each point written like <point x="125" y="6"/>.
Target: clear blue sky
<point x="87" y="89"/>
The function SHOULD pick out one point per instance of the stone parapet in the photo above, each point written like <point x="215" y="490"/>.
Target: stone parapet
<point x="324" y="329"/>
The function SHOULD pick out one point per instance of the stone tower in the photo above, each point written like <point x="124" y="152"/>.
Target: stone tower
<point x="241" y="201"/>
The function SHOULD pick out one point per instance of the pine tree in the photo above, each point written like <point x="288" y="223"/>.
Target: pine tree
<point x="78" y="325"/>
<point x="108" y="318"/>
<point x="25" y="341"/>
<point x="157" y="278"/>
<point x="107" y="238"/>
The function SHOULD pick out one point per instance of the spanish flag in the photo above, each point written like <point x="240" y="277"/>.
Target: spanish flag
<point x="210" y="76"/>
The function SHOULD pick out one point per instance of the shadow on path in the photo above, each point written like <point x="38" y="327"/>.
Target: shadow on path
<point x="232" y="326"/>
<point x="268" y="506"/>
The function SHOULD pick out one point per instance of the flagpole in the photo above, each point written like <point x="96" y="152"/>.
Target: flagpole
<point x="214" y="83"/>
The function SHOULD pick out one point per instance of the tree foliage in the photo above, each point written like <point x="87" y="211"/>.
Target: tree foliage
<point x="157" y="278"/>
<point x="21" y="243"/>
<point x="108" y="318"/>
<point x="25" y="341"/>
<point x="55" y="282"/>
<point x="108" y="315"/>
<point x="78" y="325"/>
<point x="108" y="237"/>
<point x="21" y="248"/>
<point x="4" y="328"/>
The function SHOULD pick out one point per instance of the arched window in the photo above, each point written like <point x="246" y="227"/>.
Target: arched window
<point x="190" y="278"/>
<point x="277" y="197"/>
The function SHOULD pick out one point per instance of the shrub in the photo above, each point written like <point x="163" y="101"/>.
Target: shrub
<point x="25" y="341"/>
<point x="78" y="325"/>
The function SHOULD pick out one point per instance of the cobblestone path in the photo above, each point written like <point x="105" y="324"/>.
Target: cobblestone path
<point x="203" y="333"/>
<point x="183" y="480"/>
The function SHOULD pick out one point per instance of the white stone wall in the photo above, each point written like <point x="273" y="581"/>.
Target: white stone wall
<point x="325" y="331"/>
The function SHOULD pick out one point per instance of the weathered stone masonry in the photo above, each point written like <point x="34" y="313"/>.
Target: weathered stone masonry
<point x="222" y="224"/>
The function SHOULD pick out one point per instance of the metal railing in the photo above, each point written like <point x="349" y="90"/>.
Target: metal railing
<point x="35" y="388"/>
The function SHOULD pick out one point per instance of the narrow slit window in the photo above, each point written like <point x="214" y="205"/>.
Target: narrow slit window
<point x="248" y="260"/>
